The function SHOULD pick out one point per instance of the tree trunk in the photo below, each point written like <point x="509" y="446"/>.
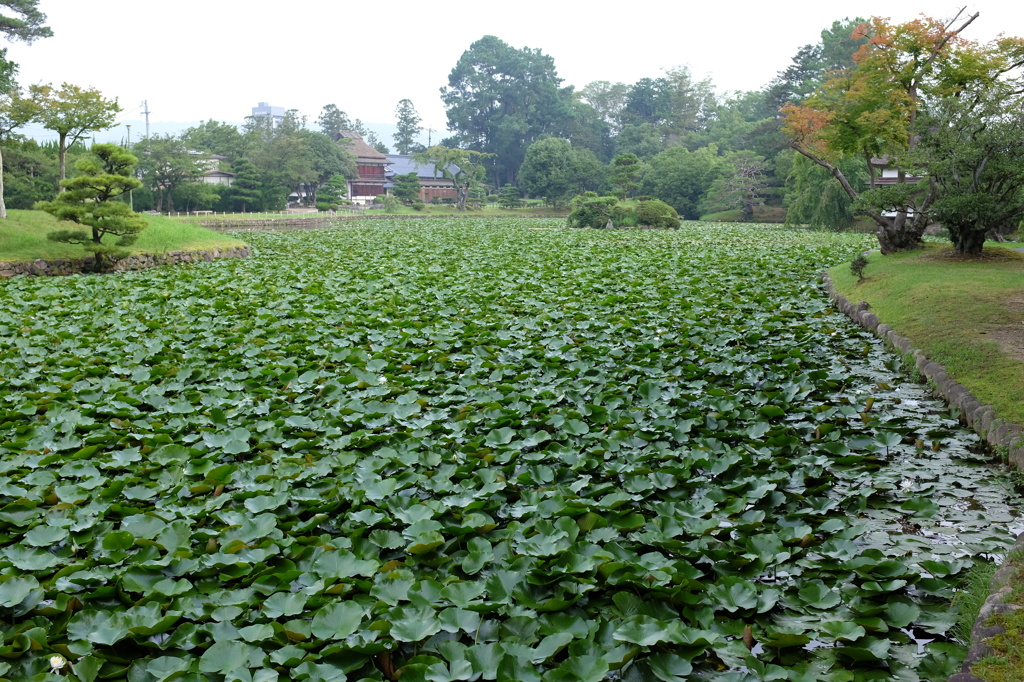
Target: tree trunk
<point x="3" y="204"/>
<point x="748" y="212"/>
<point x="63" y="154"/>
<point x="898" y="236"/>
<point x="967" y="242"/>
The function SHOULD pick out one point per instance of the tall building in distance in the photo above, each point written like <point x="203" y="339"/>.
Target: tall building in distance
<point x="276" y="114"/>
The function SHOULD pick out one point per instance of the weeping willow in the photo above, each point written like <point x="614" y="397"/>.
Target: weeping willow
<point x="815" y="198"/>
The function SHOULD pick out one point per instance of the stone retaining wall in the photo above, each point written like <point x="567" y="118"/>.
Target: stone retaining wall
<point x="998" y="433"/>
<point x="71" y="266"/>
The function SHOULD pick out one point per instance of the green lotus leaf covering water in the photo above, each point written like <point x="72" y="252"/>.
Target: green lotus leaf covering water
<point x="456" y="450"/>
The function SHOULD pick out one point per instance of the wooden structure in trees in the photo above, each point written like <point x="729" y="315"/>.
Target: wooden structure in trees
<point x="371" y="165"/>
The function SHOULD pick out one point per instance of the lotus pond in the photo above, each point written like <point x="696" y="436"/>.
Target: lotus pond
<point x="443" y="450"/>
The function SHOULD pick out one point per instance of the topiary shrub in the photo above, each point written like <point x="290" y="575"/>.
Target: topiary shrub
<point x="590" y="210"/>
<point x="656" y="213"/>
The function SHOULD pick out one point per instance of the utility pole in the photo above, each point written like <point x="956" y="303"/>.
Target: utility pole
<point x="145" y="110"/>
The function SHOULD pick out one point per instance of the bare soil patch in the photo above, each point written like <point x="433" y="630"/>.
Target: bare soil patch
<point x="1010" y="337"/>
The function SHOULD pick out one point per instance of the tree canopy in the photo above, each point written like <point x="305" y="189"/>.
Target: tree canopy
<point x="500" y="99"/>
<point x="555" y="170"/>
<point x="408" y="126"/>
<point x="876" y="111"/>
<point x="974" y="149"/>
<point x="72" y="111"/>
<point x="166" y="164"/>
<point x="22" y="20"/>
<point x="19" y="20"/>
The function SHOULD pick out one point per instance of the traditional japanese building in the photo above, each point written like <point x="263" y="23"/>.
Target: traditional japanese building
<point x="372" y="166"/>
<point x="432" y="184"/>
<point x="883" y="174"/>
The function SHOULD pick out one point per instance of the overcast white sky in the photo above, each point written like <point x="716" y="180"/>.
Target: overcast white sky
<point x="194" y="60"/>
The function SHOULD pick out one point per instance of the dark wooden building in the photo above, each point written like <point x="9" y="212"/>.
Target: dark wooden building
<point x="372" y="166"/>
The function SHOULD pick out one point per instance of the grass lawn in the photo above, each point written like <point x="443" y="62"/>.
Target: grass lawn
<point x="23" y="237"/>
<point x="966" y="314"/>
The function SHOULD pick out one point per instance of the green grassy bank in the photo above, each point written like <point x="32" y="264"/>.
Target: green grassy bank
<point x="966" y="314"/>
<point x="23" y="237"/>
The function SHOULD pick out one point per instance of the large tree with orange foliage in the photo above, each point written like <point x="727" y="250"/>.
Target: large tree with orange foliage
<point x="873" y="111"/>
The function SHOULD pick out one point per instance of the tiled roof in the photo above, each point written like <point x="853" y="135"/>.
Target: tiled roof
<point x="402" y="164"/>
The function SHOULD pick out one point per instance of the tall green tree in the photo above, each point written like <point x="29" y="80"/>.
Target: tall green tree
<point x="647" y="101"/>
<point x="643" y="140"/>
<point x="166" y="163"/>
<point x="607" y="99"/>
<point x="548" y="170"/>
<point x="556" y="170"/>
<point x="408" y="128"/>
<point x="15" y="112"/>
<point x="328" y="160"/>
<point x="245" y="190"/>
<point x="215" y="137"/>
<point x="89" y="201"/>
<point x="333" y="120"/>
<point x="813" y="64"/>
<point x="71" y="112"/>
<point x="587" y="129"/>
<point x="690" y="104"/>
<point x="682" y="178"/>
<point x="499" y="100"/>
<point x="19" y="20"/>
<point x="285" y="156"/>
<point x="626" y="171"/>
<point x="30" y="173"/>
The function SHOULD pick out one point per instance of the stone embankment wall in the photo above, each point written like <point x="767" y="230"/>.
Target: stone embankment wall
<point x="1006" y="436"/>
<point x="70" y="266"/>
